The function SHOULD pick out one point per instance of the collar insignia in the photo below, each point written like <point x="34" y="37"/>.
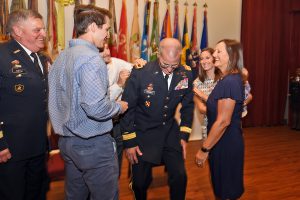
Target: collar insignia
<point x="17" y="51"/>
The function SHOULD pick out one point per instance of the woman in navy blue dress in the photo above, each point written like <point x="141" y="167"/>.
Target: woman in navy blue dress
<point x="225" y="145"/>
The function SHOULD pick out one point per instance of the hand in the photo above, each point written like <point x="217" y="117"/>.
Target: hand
<point x="131" y="154"/>
<point x="200" y="94"/>
<point x="5" y="155"/>
<point x="139" y="63"/>
<point x="201" y="158"/>
<point x="123" y="76"/>
<point x="124" y="106"/>
<point x="183" y="144"/>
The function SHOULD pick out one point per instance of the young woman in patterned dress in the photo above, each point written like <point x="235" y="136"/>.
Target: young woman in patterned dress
<point x="205" y="83"/>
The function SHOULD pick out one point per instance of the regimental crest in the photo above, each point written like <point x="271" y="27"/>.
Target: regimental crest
<point x="19" y="88"/>
<point x="147" y="104"/>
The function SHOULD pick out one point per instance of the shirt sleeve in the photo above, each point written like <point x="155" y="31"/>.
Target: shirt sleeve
<point x="93" y="83"/>
<point x="115" y="91"/>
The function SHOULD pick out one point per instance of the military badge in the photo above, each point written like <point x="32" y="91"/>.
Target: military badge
<point x="183" y="84"/>
<point x="149" y="90"/>
<point x="17" y="51"/>
<point x="147" y="104"/>
<point x="19" y="88"/>
<point x="17" y="68"/>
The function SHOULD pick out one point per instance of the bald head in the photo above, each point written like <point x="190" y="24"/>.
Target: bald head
<point x="169" y="54"/>
<point x="170" y="49"/>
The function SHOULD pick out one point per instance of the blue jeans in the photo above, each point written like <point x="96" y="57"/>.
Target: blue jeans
<point x="91" y="167"/>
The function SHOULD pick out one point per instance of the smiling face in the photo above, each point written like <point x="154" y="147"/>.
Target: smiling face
<point x="105" y="54"/>
<point x="221" y="57"/>
<point x="207" y="61"/>
<point x="31" y="33"/>
<point x="101" y="33"/>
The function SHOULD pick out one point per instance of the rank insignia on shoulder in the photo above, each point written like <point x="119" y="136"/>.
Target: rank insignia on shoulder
<point x="19" y="88"/>
<point x="186" y="67"/>
<point x="138" y="66"/>
<point x="147" y="104"/>
<point x="17" y="51"/>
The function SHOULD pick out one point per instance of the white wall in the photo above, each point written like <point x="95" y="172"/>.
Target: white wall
<point x="224" y="17"/>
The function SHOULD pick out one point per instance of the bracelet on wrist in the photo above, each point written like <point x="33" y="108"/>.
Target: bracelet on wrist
<point x="205" y="150"/>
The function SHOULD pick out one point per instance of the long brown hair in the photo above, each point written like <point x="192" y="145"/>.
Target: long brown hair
<point x="235" y="53"/>
<point x="202" y="73"/>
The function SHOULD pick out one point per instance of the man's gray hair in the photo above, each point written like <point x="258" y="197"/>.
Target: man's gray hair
<point x="19" y="16"/>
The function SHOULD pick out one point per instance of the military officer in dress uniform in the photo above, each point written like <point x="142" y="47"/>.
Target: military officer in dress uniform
<point x="151" y="135"/>
<point x="23" y="108"/>
<point x="294" y="91"/>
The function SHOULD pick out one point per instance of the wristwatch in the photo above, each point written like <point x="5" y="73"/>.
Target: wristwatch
<point x="205" y="150"/>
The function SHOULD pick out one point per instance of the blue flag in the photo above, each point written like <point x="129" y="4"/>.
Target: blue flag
<point x="144" y="44"/>
<point x="204" y="38"/>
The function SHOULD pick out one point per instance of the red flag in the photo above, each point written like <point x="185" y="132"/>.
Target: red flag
<point x="122" y="50"/>
<point x="52" y="29"/>
<point x="194" y="30"/>
<point x="166" y="31"/>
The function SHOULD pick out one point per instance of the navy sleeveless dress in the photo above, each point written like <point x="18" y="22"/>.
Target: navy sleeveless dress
<point x="226" y="158"/>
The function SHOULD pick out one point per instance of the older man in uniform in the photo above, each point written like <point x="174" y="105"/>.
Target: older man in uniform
<point x="150" y="133"/>
<point x="23" y="108"/>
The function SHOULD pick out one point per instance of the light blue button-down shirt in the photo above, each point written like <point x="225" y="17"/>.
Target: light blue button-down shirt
<point x="78" y="100"/>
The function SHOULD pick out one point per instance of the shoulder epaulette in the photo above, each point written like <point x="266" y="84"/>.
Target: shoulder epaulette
<point x="186" y="67"/>
<point x="138" y="66"/>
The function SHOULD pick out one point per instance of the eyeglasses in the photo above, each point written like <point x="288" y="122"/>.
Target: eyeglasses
<point x="166" y="65"/>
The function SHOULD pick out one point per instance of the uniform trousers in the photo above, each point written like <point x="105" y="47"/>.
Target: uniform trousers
<point x="177" y="178"/>
<point x="91" y="167"/>
<point x="24" y="180"/>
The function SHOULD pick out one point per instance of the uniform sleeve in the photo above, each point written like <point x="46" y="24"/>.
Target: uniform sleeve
<point x="187" y="111"/>
<point x="127" y="122"/>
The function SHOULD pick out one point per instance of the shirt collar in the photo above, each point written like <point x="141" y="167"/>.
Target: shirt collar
<point x="79" y="42"/>
<point x="26" y="50"/>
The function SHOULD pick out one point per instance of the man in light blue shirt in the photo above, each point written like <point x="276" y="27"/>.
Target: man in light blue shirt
<point x="81" y="112"/>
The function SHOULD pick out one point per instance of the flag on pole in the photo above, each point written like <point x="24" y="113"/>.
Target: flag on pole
<point x="33" y="5"/>
<point x="204" y="38"/>
<point x="135" y="40"/>
<point x="122" y="50"/>
<point x="61" y="21"/>
<point x="17" y="5"/>
<point x="155" y="32"/>
<point x="193" y="57"/>
<point x="144" y="45"/>
<point x="176" y="33"/>
<point x="185" y="38"/>
<point x="112" y="41"/>
<point x="52" y="29"/>
<point x="194" y="30"/>
<point x="166" y="31"/>
<point x="3" y="19"/>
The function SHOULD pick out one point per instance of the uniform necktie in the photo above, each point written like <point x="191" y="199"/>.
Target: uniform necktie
<point x="166" y="80"/>
<point x="36" y="62"/>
